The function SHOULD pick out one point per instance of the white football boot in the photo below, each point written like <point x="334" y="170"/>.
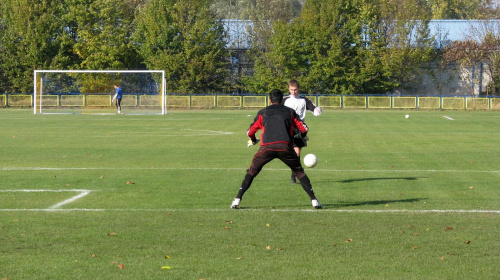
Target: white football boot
<point x="316" y="204"/>
<point x="236" y="203"/>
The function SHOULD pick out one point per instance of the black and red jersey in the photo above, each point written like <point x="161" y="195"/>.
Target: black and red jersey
<point x="277" y="122"/>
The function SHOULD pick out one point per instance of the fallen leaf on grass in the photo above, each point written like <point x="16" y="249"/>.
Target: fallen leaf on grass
<point x="415" y="247"/>
<point x="130" y="183"/>
<point x="239" y="258"/>
<point x="268" y="247"/>
<point x="229" y="222"/>
<point x="111" y="234"/>
<point x="167" y="257"/>
<point x="442" y="257"/>
<point x="94" y="256"/>
<point x="166" y="267"/>
<point x="349" y="240"/>
<point x="226" y="228"/>
<point x="121" y="266"/>
<point x="467" y="242"/>
<point x="448" y="229"/>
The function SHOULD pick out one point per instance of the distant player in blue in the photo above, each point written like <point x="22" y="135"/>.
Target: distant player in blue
<point x="118" y="98"/>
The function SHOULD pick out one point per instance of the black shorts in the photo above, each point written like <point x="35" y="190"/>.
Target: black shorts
<point x="284" y="152"/>
<point x="298" y="142"/>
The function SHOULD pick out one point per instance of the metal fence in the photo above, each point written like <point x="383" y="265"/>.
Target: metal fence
<point x="341" y="102"/>
<point x="221" y="101"/>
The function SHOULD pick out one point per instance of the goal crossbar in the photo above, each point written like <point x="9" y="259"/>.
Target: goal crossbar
<point x="163" y="92"/>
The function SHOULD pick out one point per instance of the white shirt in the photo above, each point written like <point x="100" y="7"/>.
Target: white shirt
<point x="300" y="105"/>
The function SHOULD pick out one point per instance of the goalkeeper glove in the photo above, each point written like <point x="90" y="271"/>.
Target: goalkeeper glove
<point x="317" y="111"/>
<point x="301" y="136"/>
<point x="250" y="143"/>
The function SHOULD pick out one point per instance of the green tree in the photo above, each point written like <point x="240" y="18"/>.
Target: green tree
<point x="459" y="9"/>
<point x="245" y="9"/>
<point x="345" y="47"/>
<point x="270" y="35"/>
<point x="375" y="73"/>
<point x="30" y="38"/>
<point x="333" y="33"/>
<point x="410" y="47"/>
<point x="184" y="39"/>
<point x="104" y="32"/>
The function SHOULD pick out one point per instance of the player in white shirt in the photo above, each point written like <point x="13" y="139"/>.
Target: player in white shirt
<point x="300" y="104"/>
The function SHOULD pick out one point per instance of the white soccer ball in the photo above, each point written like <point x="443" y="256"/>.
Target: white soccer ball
<point x="407" y="116"/>
<point x="310" y="160"/>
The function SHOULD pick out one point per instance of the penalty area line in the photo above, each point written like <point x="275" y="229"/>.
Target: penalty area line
<point x="81" y="194"/>
<point x="69" y="200"/>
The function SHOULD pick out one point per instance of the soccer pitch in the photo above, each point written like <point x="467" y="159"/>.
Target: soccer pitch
<point x="147" y="197"/>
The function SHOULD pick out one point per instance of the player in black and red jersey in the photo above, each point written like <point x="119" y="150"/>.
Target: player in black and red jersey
<point x="277" y="123"/>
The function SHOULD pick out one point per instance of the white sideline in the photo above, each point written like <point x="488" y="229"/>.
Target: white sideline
<point x="430" y="211"/>
<point x="81" y="194"/>
<point x="238" y="168"/>
<point x="446" y="117"/>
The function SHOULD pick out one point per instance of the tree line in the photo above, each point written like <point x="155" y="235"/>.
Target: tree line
<point x="337" y="47"/>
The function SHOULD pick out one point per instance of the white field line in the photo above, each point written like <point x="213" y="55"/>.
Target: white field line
<point x="231" y="168"/>
<point x="446" y="117"/>
<point x="69" y="200"/>
<point x="430" y="211"/>
<point x="81" y="194"/>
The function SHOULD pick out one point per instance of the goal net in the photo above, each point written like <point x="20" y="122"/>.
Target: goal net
<point x="92" y="91"/>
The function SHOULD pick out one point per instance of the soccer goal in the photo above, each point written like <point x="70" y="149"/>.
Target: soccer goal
<point x="92" y="91"/>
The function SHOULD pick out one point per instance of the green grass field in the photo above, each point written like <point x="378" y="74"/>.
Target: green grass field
<point x="147" y="197"/>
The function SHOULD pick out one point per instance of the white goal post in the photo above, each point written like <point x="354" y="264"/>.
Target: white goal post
<point x="91" y="91"/>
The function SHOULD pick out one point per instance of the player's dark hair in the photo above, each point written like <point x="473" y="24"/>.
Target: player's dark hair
<point x="276" y="96"/>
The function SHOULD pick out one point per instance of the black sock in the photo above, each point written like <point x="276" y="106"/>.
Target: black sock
<point x="245" y="185"/>
<point x="306" y="185"/>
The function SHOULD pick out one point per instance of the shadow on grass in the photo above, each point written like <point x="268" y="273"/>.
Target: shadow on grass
<point x="374" y="202"/>
<point x="380" y="178"/>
